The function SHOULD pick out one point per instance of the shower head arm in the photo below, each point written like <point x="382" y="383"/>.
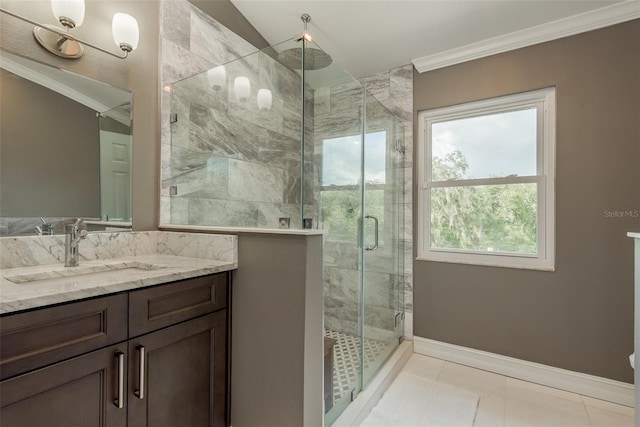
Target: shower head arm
<point x="305" y="18"/>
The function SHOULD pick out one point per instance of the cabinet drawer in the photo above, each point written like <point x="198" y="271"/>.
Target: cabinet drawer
<point x="41" y="337"/>
<point x="161" y="306"/>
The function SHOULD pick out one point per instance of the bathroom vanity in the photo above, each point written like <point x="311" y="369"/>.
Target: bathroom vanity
<point x="148" y="346"/>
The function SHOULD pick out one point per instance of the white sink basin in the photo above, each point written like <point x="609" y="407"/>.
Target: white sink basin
<point x="107" y="270"/>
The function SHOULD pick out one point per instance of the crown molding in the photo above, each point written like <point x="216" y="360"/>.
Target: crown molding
<point x="592" y="20"/>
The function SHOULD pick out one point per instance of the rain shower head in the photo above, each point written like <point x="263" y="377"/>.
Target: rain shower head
<point x="314" y="59"/>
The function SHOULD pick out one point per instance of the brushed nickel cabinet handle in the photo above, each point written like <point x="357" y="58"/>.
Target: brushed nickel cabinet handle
<point x="140" y="391"/>
<point x="119" y="400"/>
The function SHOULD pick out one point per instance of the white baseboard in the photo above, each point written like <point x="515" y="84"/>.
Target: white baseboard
<point x="358" y="410"/>
<point x="575" y="382"/>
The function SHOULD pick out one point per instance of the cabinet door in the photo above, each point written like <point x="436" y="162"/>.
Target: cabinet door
<point x="82" y="391"/>
<point x="177" y="376"/>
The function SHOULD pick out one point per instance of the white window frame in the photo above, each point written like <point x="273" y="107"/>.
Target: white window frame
<point x="545" y="102"/>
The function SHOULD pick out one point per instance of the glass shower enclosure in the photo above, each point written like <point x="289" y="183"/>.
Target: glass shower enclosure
<point x="285" y="138"/>
<point x="361" y="205"/>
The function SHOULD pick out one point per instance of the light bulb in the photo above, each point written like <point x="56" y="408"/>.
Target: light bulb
<point x="217" y="76"/>
<point x="264" y="99"/>
<point x="69" y="12"/>
<point x="242" y="88"/>
<point x="125" y="30"/>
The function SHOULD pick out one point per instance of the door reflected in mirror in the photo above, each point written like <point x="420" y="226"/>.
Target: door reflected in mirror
<point x="65" y="150"/>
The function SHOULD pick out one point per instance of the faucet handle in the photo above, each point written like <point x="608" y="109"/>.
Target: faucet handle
<point x="73" y="228"/>
<point x="83" y="233"/>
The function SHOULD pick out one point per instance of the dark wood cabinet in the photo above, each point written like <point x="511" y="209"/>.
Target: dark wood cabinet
<point x="77" y="392"/>
<point x="170" y="367"/>
<point x="178" y="375"/>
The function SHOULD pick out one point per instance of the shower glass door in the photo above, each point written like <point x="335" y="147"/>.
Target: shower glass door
<point x="338" y="127"/>
<point x="362" y="209"/>
<point x="382" y="247"/>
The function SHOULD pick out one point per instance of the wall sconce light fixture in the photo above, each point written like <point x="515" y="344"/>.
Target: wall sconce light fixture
<point x="70" y="13"/>
<point x="242" y="88"/>
<point x="217" y="77"/>
<point x="264" y="99"/>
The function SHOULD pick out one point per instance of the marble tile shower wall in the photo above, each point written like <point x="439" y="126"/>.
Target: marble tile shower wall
<point x="394" y="90"/>
<point x="233" y="164"/>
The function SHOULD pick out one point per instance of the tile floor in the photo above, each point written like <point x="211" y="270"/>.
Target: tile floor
<point x="509" y="402"/>
<point x="346" y="360"/>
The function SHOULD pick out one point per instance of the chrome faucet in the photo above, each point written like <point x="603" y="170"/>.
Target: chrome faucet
<point x="72" y="237"/>
<point x="46" y="229"/>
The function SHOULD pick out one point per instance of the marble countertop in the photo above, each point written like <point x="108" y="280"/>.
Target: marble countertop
<point x="54" y="287"/>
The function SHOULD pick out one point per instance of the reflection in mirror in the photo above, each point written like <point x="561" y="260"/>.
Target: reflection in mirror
<point x="65" y="150"/>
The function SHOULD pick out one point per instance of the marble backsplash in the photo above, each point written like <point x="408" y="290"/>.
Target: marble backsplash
<point x="27" y="251"/>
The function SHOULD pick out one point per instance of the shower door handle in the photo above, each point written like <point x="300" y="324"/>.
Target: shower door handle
<point x="375" y="234"/>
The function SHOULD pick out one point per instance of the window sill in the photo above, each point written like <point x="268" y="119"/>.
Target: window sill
<point x="519" y="263"/>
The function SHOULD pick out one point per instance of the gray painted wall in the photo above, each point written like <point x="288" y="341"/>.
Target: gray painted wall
<point x="277" y="332"/>
<point x="579" y="317"/>
<point x="49" y="143"/>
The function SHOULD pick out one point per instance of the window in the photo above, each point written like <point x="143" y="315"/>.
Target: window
<point x="486" y="174"/>
<point x="340" y="196"/>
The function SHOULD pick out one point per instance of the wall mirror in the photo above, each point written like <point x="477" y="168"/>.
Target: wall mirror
<point x="65" y="150"/>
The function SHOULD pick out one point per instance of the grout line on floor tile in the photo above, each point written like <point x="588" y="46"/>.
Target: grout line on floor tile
<point x="585" y="410"/>
<point x="475" y="415"/>
<point x="440" y="371"/>
<point x="617" y="408"/>
<point x="504" y="407"/>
